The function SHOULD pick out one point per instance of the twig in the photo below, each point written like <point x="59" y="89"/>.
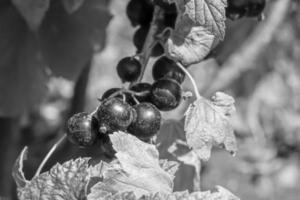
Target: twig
<point x="54" y="147"/>
<point x="244" y="58"/>
<point x="150" y="41"/>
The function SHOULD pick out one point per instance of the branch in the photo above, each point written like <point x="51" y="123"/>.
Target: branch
<point x="244" y="58"/>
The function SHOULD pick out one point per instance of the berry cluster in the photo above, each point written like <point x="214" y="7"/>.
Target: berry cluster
<point x="140" y="13"/>
<point x="248" y="8"/>
<point x="137" y="109"/>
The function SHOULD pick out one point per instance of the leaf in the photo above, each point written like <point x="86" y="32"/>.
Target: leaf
<point x="189" y="48"/>
<point x="220" y="194"/>
<point x="137" y="169"/>
<point x="66" y="181"/>
<point x="22" y="75"/>
<point x="69" y="41"/>
<point x="33" y="11"/>
<point x="72" y="6"/>
<point x="209" y="14"/>
<point x="207" y="123"/>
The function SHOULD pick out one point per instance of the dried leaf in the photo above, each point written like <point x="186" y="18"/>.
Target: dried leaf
<point x="33" y="11"/>
<point x="72" y="6"/>
<point x="207" y="123"/>
<point x="66" y="181"/>
<point x="189" y="48"/>
<point x="138" y="169"/>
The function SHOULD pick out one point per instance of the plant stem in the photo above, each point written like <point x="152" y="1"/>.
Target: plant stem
<point x="54" y="147"/>
<point x="198" y="96"/>
<point x="150" y="41"/>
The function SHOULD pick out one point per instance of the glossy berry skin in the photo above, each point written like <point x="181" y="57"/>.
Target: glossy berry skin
<point x="114" y="115"/>
<point x="139" y="38"/>
<point x="140" y="12"/>
<point x="129" y="69"/>
<point x="166" y="94"/>
<point x="236" y="9"/>
<point x="109" y="92"/>
<point x="144" y="88"/>
<point x="255" y="8"/>
<point x="167" y="68"/>
<point x="147" y="121"/>
<point x="82" y="129"/>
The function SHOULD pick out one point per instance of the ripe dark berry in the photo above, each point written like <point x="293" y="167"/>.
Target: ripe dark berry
<point x="147" y="121"/>
<point x="113" y="115"/>
<point x="167" y="68"/>
<point x="109" y="92"/>
<point x="145" y="91"/>
<point x="139" y="38"/>
<point x="129" y="69"/>
<point x="140" y="12"/>
<point x="166" y="94"/>
<point x="255" y="7"/>
<point x="236" y="9"/>
<point x="82" y="129"/>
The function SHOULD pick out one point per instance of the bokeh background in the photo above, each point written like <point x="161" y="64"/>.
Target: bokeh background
<point x="258" y="64"/>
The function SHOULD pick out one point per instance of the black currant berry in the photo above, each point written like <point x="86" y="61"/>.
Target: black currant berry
<point x="166" y="94"/>
<point x="144" y="90"/>
<point x="255" y="8"/>
<point x="236" y="9"/>
<point x="114" y="115"/>
<point x="140" y="12"/>
<point x="139" y="38"/>
<point x="167" y="68"/>
<point x="109" y="92"/>
<point x="129" y="69"/>
<point x="82" y="129"/>
<point x="147" y="121"/>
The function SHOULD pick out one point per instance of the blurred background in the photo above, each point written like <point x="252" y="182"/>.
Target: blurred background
<point x="58" y="66"/>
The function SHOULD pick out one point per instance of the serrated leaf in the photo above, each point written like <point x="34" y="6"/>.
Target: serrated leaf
<point x="33" y="11"/>
<point x="209" y="14"/>
<point x="66" y="181"/>
<point x="221" y="194"/>
<point x="69" y="41"/>
<point x="72" y="6"/>
<point x="138" y="169"/>
<point x="207" y="123"/>
<point x="189" y="48"/>
<point x="22" y="74"/>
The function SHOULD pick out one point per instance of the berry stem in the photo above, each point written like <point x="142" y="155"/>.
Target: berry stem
<point x="54" y="147"/>
<point x="150" y="40"/>
<point x="198" y="96"/>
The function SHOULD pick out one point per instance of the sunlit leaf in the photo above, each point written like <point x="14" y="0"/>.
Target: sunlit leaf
<point x="137" y="169"/>
<point x="207" y="123"/>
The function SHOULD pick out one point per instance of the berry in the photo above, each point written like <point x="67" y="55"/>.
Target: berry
<point x="147" y="121"/>
<point x="139" y="38"/>
<point x="255" y="8"/>
<point x="109" y="92"/>
<point x="145" y="89"/>
<point x="140" y="12"/>
<point x="167" y="68"/>
<point x="166" y="94"/>
<point x="113" y="115"/>
<point x="236" y="9"/>
<point x="129" y="69"/>
<point x="82" y="129"/>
